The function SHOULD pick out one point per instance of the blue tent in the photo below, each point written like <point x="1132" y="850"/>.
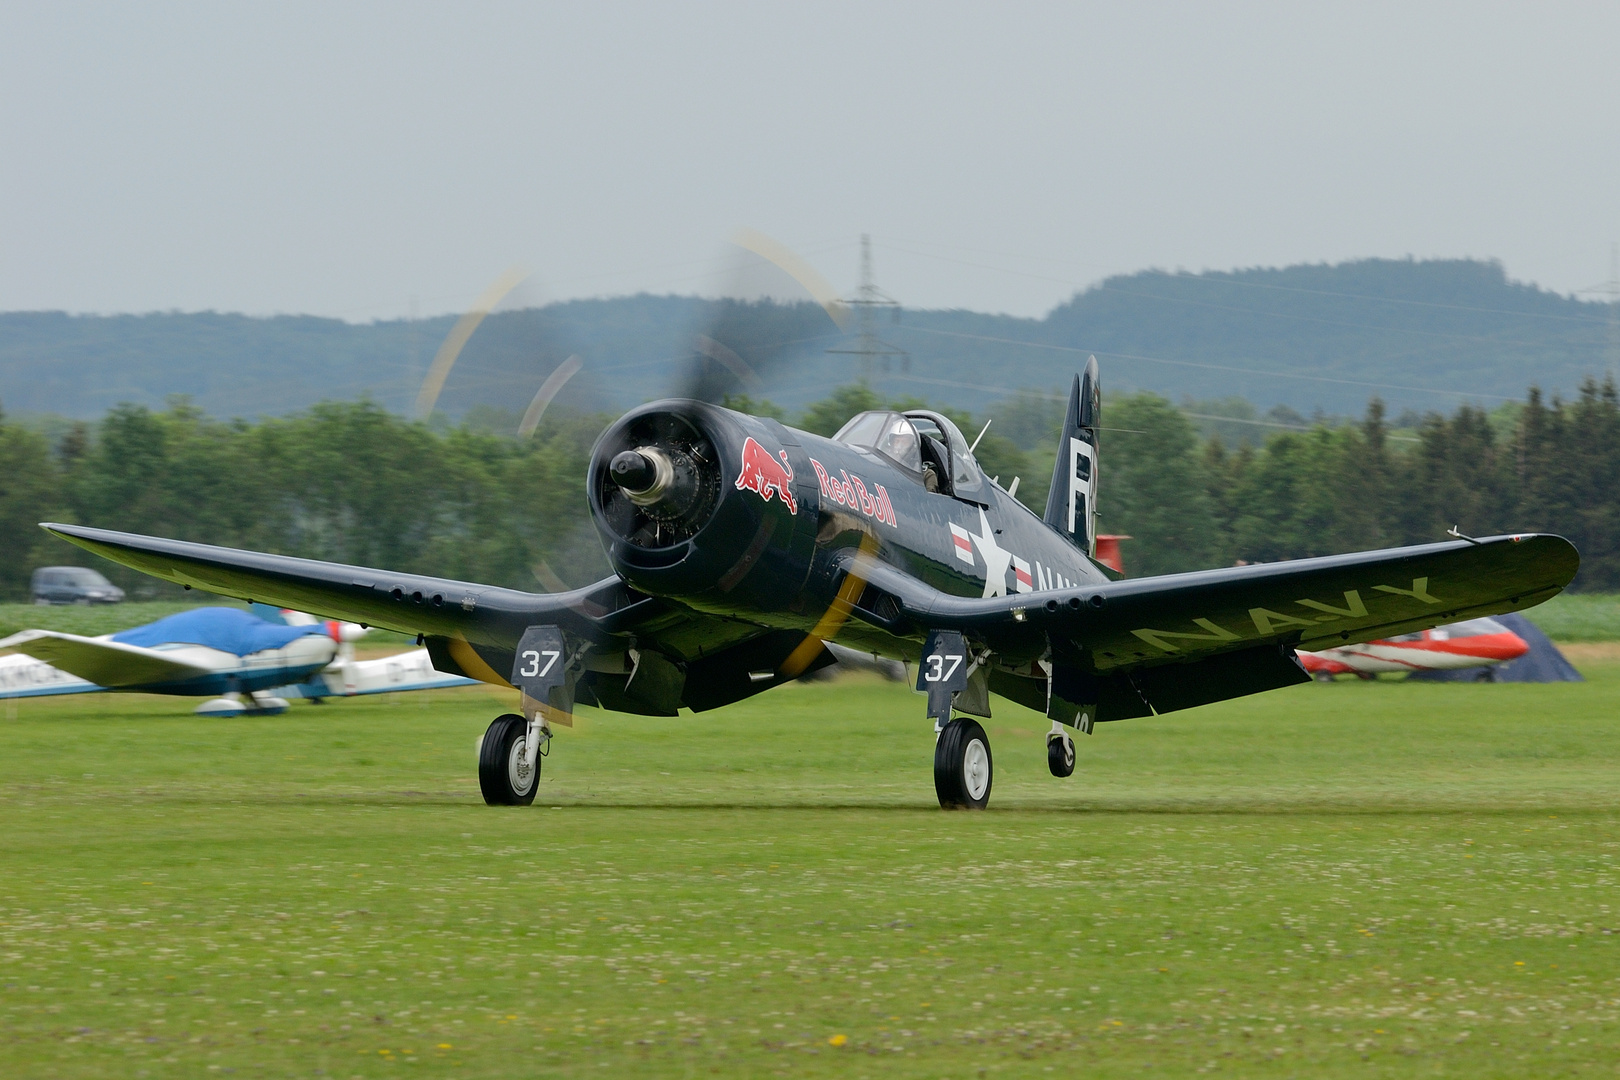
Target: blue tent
<point x="1543" y="663"/>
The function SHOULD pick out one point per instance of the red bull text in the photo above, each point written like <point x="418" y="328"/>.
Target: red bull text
<point x="848" y="491"/>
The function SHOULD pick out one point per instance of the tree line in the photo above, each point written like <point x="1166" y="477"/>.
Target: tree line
<point x="352" y="482"/>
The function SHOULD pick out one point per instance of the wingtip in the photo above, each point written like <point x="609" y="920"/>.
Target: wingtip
<point x="77" y="535"/>
<point x="1556" y="555"/>
<point x="56" y="528"/>
<point x="65" y="532"/>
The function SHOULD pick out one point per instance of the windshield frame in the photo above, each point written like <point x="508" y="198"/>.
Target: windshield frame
<point x="967" y="480"/>
<point x="884" y="422"/>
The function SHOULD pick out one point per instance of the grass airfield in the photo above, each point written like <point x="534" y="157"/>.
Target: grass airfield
<point x="1356" y="879"/>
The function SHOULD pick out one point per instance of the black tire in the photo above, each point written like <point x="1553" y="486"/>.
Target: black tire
<point x="962" y="766"/>
<point x="1060" y="756"/>
<point x="500" y="772"/>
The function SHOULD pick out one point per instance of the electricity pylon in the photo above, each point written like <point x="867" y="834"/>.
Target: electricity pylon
<point x="874" y="352"/>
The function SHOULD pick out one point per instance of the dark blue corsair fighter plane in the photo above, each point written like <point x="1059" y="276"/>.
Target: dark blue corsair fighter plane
<point x="741" y="547"/>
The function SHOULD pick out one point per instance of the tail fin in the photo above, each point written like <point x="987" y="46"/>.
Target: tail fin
<point x="1071" y="504"/>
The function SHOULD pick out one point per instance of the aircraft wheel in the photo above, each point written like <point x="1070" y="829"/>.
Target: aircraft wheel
<point x="1060" y="755"/>
<point x="962" y="766"/>
<point x="503" y="776"/>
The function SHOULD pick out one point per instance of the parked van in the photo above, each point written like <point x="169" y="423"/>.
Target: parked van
<point x="73" y="585"/>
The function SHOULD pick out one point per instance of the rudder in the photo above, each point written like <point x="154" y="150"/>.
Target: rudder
<point x="1071" y="503"/>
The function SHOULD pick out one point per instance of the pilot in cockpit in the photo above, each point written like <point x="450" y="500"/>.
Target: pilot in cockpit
<point x="897" y="438"/>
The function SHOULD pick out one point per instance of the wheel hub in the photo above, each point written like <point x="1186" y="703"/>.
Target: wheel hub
<point x="976" y="769"/>
<point x="519" y="769"/>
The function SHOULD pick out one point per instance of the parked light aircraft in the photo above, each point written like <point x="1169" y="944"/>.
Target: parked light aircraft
<point x="740" y="546"/>
<point x="1473" y="643"/>
<point x="240" y="661"/>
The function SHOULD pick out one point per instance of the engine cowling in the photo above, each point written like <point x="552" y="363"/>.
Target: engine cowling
<point x="705" y="504"/>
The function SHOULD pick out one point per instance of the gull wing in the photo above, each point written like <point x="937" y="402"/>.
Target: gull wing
<point x="471" y="629"/>
<point x="1177" y="639"/>
<point x="97" y="660"/>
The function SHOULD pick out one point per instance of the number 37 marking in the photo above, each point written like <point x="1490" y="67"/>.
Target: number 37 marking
<point x="937" y="671"/>
<point x="531" y="668"/>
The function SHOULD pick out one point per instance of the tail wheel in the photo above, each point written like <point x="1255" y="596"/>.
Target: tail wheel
<point x="504" y="777"/>
<point x="1060" y="755"/>
<point x="962" y="766"/>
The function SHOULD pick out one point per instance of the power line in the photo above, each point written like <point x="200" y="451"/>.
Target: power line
<point x="1208" y="279"/>
<point x="1205" y="365"/>
<point x="1053" y="395"/>
<point x="1201" y="279"/>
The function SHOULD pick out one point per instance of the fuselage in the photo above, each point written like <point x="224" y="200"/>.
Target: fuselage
<point x="264" y="670"/>
<point x="1475" y="643"/>
<point x="222" y="672"/>
<point x="779" y="510"/>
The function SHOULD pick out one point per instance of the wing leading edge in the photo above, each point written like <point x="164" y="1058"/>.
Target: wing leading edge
<point x="407" y="603"/>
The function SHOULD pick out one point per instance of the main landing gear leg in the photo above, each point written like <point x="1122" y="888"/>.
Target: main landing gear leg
<point x="544" y="670"/>
<point x="963" y="768"/>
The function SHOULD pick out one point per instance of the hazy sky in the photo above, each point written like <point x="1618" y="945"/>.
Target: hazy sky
<point x="343" y="159"/>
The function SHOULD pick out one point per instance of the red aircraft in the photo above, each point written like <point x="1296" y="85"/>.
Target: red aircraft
<point x="1474" y="643"/>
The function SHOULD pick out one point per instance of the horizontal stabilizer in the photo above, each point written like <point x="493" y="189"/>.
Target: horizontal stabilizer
<point x="97" y="660"/>
<point x="401" y="672"/>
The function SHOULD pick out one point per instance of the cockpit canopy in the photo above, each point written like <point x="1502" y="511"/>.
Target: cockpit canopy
<point x="923" y="443"/>
<point x="889" y="433"/>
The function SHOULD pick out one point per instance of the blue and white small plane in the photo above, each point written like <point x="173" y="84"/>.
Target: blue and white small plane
<point x="243" y="663"/>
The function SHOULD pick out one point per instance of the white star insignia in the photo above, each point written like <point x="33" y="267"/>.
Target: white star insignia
<point x="996" y="560"/>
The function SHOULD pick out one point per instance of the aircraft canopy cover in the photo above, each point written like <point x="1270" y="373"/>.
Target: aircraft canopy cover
<point x="229" y="630"/>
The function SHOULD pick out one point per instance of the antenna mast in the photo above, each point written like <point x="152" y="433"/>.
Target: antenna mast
<point x="873" y="350"/>
<point x="1614" y="309"/>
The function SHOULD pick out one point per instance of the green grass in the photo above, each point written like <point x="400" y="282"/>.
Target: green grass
<point x="1354" y="879"/>
<point x="1579" y="617"/>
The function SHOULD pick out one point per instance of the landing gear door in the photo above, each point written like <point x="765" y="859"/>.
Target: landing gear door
<point x="544" y="671"/>
<point x="943" y="672"/>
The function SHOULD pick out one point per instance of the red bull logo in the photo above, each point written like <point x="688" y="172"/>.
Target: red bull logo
<point x="762" y="474"/>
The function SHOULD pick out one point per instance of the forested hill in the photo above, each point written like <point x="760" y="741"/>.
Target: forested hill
<point x="1418" y="333"/>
